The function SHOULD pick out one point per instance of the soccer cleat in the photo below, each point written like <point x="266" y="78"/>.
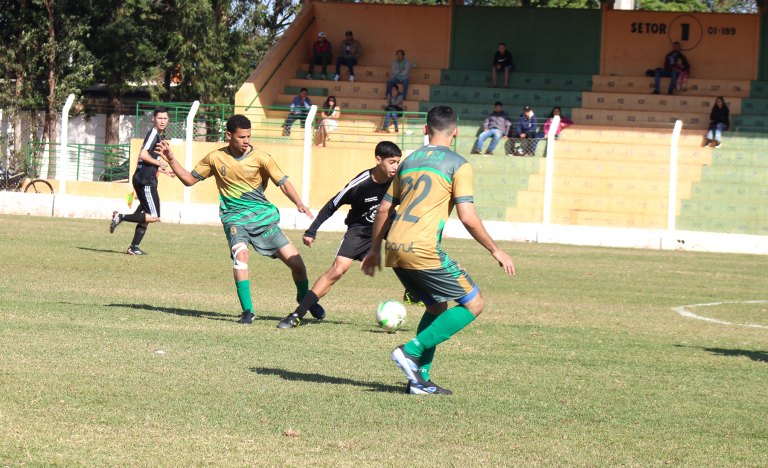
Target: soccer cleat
<point x="708" y="142"/>
<point x="717" y="144"/>
<point x="117" y="218"/>
<point x="431" y="389"/>
<point x="292" y="321"/>
<point x="317" y="311"/>
<point x="408" y="298"/>
<point x="336" y="77"/>
<point x="410" y="367"/>
<point x="246" y="318"/>
<point x="135" y="250"/>
<point x="352" y="78"/>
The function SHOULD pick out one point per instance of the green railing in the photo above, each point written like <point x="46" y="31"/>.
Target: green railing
<point x="85" y="161"/>
<point x="208" y="124"/>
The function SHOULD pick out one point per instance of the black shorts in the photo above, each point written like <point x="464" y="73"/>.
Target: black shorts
<point x="149" y="200"/>
<point x="356" y="243"/>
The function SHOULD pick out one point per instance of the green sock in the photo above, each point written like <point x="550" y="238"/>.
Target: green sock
<point x="445" y="326"/>
<point x="301" y="289"/>
<point x="244" y="294"/>
<point x="425" y="361"/>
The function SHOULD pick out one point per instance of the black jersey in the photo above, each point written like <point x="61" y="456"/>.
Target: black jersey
<point x="362" y="194"/>
<point x="146" y="174"/>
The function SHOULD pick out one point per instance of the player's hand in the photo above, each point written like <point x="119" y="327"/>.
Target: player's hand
<point x="522" y="135"/>
<point x="505" y="261"/>
<point x="164" y="150"/>
<point x="306" y="211"/>
<point x="308" y="241"/>
<point x="371" y="262"/>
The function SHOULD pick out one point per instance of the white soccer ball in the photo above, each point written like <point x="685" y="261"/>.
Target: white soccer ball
<point x="390" y="315"/>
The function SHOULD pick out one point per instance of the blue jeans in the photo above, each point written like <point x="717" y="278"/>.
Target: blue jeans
<point x="349" y="62"/>
<point x="717" y="132"/>
<point x="403" y="88"/>
<point x="390" y="115"/>
<point x="491" y="132"/>
<point x="662" y="73"/>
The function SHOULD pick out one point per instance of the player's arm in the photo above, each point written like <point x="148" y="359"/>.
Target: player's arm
<point x="186" y="177"/>
<point x="290" y="192"/>
<point x="380" y="226"/>
<point x="325" y="212"/>
<point x="471" y="220"/>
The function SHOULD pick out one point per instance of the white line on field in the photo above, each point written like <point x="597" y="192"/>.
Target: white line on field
<point x="683" y="310"/>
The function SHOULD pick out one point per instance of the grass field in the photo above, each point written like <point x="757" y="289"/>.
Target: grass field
<point x="107" y="359"/>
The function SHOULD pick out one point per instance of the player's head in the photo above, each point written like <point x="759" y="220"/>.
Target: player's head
<point x="441" y="121"/>
<point x="160" y="118"/>
<point x="239" y="134"/>
<point x="388" y="157"/>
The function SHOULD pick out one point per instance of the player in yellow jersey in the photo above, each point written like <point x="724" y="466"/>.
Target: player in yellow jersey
<point x="242" y="174"/>
<point x="428" y="184"/>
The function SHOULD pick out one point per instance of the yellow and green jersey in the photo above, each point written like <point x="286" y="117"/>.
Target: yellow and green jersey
<point x="428" y="184"/>
<point x="241" y="183"/>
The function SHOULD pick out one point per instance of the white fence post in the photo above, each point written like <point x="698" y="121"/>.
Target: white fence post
<point x="61" y="154"/>
<point x="306" y="176"/>
<point x="550" y="169"/>
<point x="188" y="145"/>
<point x="673" y="160"/>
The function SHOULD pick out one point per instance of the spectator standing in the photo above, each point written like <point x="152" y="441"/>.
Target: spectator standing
<point x="564" y="122"/>
<point x="401" y="71"/>
<point x="350" y="51"/>
<point x="526" y="128"/>
<point x="322" y="54"/>
<point x="330" y="113"/>
<point x="682" y="77"/>
<point x="719" y="121"/>
<point x="671" y="69"/>
<point x="495" y="126"/>
<point x="502" y="62"/>
<point x="299" y="111"/>
<point x="394" y="108"/>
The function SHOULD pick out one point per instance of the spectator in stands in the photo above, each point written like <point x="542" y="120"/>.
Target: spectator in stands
<point x="401" y="71"/>
<point x="671" y="69"/>
<point x="719" y="121"/>
<point x="495" y="126"/>
<point x="299" y="110"/>
<point x="564" y="122"/>
<point x="350" y="51"/>
<point x="526" y="128"/>
<point x="394" y="108"/>
<point x="329" y="115"/>
<point x="502" y="62"/>
<point x="322" y="54"/>
<point x="682" y="77"/>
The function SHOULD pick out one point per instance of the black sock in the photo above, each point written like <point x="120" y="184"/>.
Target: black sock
<point x="139" y="234"/>
<point x="137" y="217"/>
<point x="309" y="300"/>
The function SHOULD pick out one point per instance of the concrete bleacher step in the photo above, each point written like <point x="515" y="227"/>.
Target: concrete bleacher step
<point x="474" y="78"/>
<point x="586" y="185"/>
<point x="752" y="106"/>
<point x="730" y="190"/>
<point x="646" y="151"/>
<point x="638" y="118"/>
<point x="749" y="123"/>
<point x="758" y="89"/>
<point x="736" y="174"/>
<point x="354" y="103"/>
<point x="643" y="205"/>
<point x="532" y="97"/>
<point x="627" y="135"/>
<point x="416" y="92"/>
<point x="474" y="114"/>
<point x="656" y="102"/>
<point x="376" y="74"/>
<point x="696" y="86"/>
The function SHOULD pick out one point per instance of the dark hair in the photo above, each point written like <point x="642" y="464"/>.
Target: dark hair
<point x="497" y="103"/>
<point x="348" y="33"/>
<point x="303" y="89"/>
<point x="441" y="119"/>
<point x="501" y="43"/>
<point x="327" y="103"/>
<point x="159" y="110"/>
<point x="552" y="113"/>
<point x="400" y="50"/>
<point x="395" y="86"/>
<point x="725" y="106"/>
<point x="238" y="121"/>
<point x="387" y="149"/>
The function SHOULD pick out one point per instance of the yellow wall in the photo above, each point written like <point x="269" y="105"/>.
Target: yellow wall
<point x="717" y="45"/>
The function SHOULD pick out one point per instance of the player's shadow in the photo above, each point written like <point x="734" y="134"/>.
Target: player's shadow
<point x="90" y="249"/>
<point x="759" y="356"/>
<point x="176" y="311"/>
<point x="327" y="379"/>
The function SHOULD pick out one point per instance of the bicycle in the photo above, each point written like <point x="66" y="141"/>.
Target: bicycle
<point x="16" y="183"/>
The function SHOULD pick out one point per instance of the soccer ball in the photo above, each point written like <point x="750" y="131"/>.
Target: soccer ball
<point x="390" y="315"/>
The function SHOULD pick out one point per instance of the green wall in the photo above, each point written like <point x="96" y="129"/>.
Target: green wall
<point x="545" y="40"/>
<point x="762" y="54"/>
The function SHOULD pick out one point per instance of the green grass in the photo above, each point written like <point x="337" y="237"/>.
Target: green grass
<point x="107" y="359"/>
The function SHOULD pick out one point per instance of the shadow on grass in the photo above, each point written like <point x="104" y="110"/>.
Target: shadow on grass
<point x="760" y="356"/>
<point x="121" y="252"/>
<point x="327" y="379"/>
<point x="177" y="311"/>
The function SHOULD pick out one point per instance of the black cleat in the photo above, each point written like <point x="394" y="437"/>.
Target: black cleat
<point x="317" y="311"/>
<point x="117" y="218"/>
<point x="246" y="318"/>
<point x="292" y="321"/>
<point x="410" y="367"/>
<point x="135" y="250"/>
<point x="420" y="390"/>
<point x="409" y="298"/>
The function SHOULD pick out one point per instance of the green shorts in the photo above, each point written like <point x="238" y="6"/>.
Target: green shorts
<point x="438" y="285"/>
<point x="265" y="241"/>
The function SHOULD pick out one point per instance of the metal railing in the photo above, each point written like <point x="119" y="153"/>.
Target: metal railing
<point x="86" y="161"/>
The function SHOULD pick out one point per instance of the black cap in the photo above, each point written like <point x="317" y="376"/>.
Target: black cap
<point x="526" y="108"/>
<point x="348" y="33"/>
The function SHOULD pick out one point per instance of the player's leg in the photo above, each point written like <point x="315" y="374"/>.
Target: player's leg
<point x="238" y="239"/>
<point x="321" y="287"/>
<point x="151" y="202"/>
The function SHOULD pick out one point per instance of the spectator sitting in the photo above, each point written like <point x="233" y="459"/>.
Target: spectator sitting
<point x="299" y="110"/>
<point x="394" y="108"/>
<point x="671" y="69"/>
<point x="502" y="61"/>
<point x="350" y="51"/>
<point x="328" y="124"/>
<point x="718" y="122"/>
<point x="564" y="122"/>
<point x="401" y="70"/>
<point x="526" y="128"/>
<point x="322" y="54"/>
<point x="496" y="126"/>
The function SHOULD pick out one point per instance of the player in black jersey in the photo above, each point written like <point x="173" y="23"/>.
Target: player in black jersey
<point x="145" y="183"/>
<point x="363" y="193"/>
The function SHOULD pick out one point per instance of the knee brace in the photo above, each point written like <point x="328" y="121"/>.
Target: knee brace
<point x="236" y="249"/>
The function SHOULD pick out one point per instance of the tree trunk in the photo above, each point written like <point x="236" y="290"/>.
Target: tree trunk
<point x="49" y="130"/>
<point x="112" y="127"/>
